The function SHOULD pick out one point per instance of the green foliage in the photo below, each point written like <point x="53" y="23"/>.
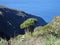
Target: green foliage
<point x="29" y="22"/>
<point x="36" y="34"/>
<point x="57" y="32"/>
<point x="21" y="39"/>
<point x="52" y="28"/>
<point x="47" y="27"/>
<point x="3" y="42"/>
<point x="52" y="40"/>
<point x="38" y="28"/>
<point x="46" y="30"/>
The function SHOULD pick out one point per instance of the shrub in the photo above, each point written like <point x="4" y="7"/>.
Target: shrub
<point x="3" y="42"/>
<point x="52" y="40"/>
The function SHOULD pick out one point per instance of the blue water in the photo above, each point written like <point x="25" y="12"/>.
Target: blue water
<point x="46" y="9"/>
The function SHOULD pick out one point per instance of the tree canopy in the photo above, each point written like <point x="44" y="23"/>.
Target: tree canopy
<point x="29" y="22"/>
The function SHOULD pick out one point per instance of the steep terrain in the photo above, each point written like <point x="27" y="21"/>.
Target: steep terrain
<point x="42" y="35"/>
<point x="10" y="20"/>
<point x="51" y="28"/>
<point x="45" y="35"/>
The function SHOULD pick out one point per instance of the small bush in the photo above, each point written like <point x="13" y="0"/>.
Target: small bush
<point x="52" y="40"/>
<point x="3" y="42"/>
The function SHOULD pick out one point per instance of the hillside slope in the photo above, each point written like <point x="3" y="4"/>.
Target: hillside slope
<point x="10" y="20"/>
<point x="42" y="35"/>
